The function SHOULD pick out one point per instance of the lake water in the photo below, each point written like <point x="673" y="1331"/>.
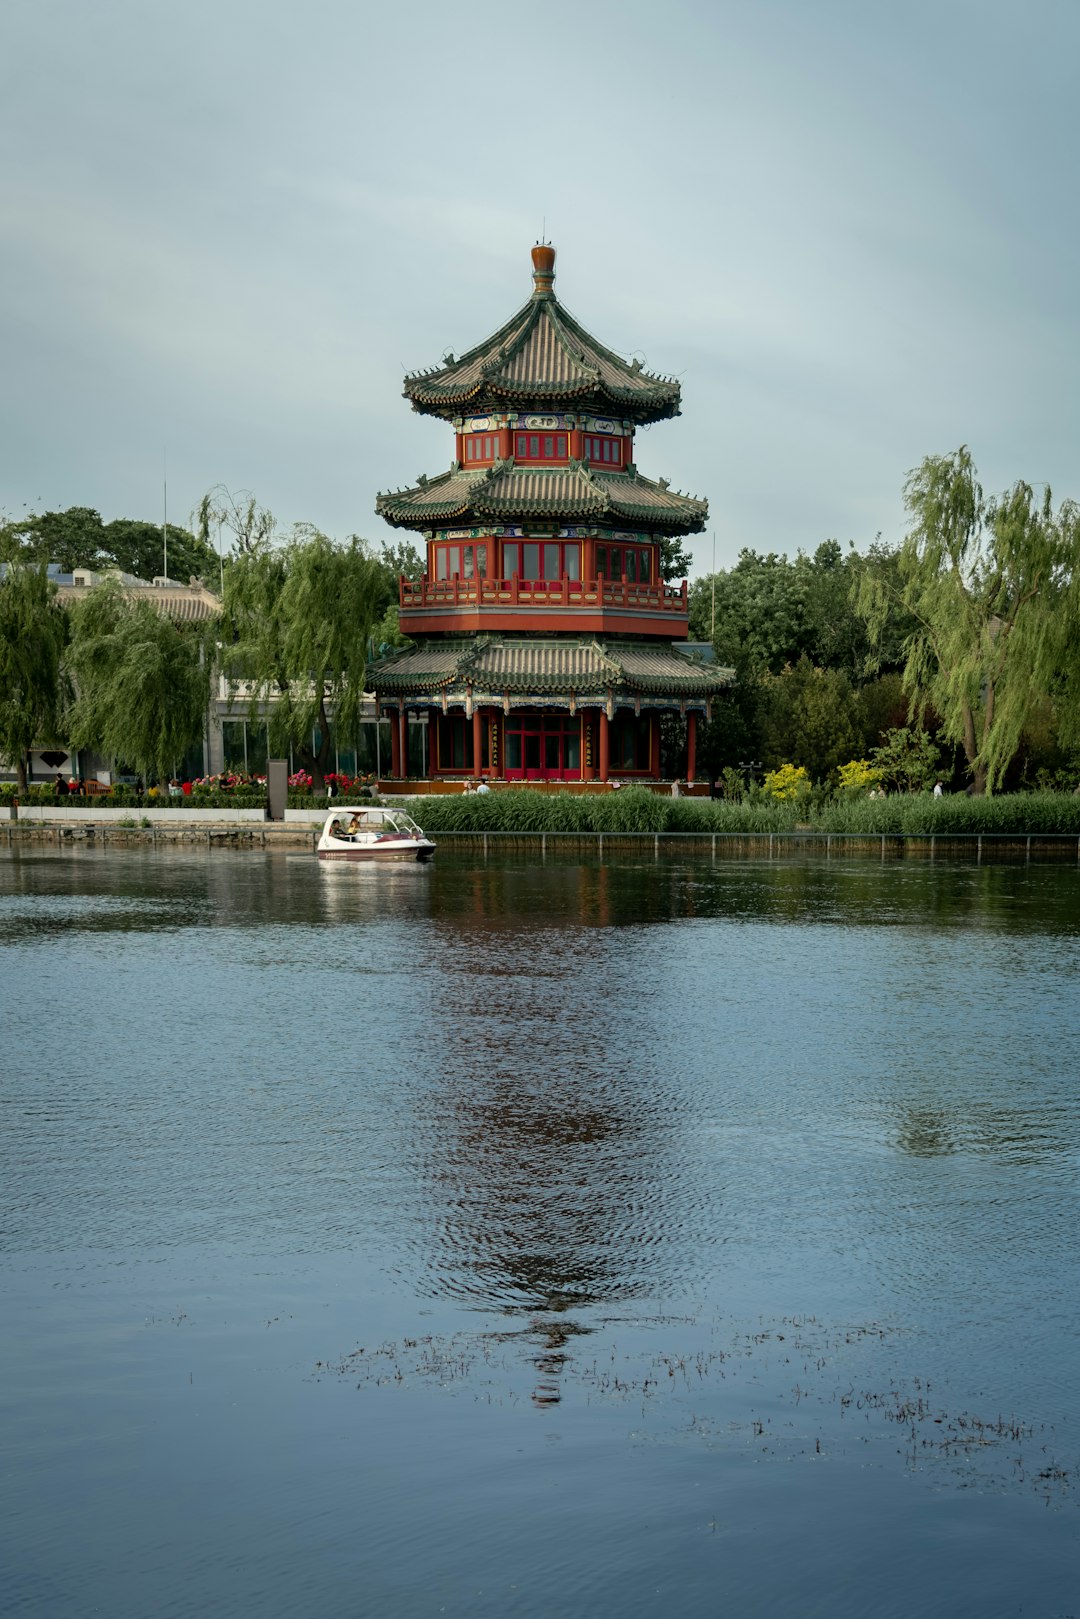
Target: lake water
<point x="533" y="1238"/>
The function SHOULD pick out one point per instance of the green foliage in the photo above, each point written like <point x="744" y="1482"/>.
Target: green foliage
<point x="301" y="616"/>
<point x="987" y="583"/>
<point x="882" y="706"/>
<point x="33" y="687"/>
<point x="771" y="611"/>
<point x="908" y="760"/>
<point x="731" y="735"/>
<point x="319" y="801"/>
<point x="675" y="562"/>
<point x="632" y="809"/>
<point x="142" y="682"/>
<point x="808" y="717"/>
<point x="788" y="783"/>
<point x="251" y="528"/>
<point x="77" y="538"/>
<point x="857" y="776"/>
<point x="1017" y="814"/>
<point x="387" y="632"/>
<point x="74" y="538"/>
<point x="137" y="548"/>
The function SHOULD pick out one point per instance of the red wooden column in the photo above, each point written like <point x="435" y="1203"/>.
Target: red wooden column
<point x="654" y="746"/>
<point x="605" y="741"/>
<point x="403" y="744"/>
<point x="691" y="745"/>
<point x="395" y="749"/>
<point x="477" y="741"/>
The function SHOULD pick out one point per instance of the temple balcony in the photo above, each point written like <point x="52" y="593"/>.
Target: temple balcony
<point x="552" y="606"/>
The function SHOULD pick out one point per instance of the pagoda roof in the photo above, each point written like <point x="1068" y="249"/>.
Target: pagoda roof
<point x="577" y="492"/>
<point x="590" y="669"/>
<point x="542" y="358"/>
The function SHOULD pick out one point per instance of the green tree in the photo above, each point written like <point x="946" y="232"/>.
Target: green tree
<point x="142" y="683"/>
<point x="252" y="529"/>
<point x="33" y="688"/>
<point x="301" y="616"/>
<point x="809" y="717"/>
<point x="77" y="538"/>
<point x="74" y="538"/>
<point x="396" y="561"/>
<point x="139" y="549"/>
<point x="759" y="613"/>
<point x="771" y="610"/>
<point x="985" y="582"/>
<point x="907" y="759"/>
<point x="883" y="706"/>
<point x="675" y="562"/>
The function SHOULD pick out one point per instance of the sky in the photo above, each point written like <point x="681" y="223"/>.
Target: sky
<point x="229" y="227"/>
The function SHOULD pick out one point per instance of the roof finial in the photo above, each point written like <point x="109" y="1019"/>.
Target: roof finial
<point x="543" y="257"/>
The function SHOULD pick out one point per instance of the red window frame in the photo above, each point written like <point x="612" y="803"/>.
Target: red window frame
<point x="604" y="449"/>
<point x="634" y="563"/>
<point x="542" y="446"/>
<point x="458" y="559"/>
<point x="541" y="560"/>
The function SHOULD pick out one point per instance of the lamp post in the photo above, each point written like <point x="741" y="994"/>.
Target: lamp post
<point x="750" y="766"/>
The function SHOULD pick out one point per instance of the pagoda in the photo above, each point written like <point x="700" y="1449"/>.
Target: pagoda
<point x="545" y="632"/>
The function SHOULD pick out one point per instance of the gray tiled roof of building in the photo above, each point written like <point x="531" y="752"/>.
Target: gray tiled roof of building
<point x="519" y="665"/>
<point x="574" y="491"/>
<point x="540" y="356"/>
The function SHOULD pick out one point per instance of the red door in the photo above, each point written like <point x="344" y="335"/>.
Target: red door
<point x="542" y="747"/>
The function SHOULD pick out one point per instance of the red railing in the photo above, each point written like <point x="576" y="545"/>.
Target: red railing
<point x="595" y="593"/>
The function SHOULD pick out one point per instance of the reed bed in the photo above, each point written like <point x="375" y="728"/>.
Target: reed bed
<point x="636" y="810"/>
<point x="921" y="814"/>
<point x="627" y="811"/>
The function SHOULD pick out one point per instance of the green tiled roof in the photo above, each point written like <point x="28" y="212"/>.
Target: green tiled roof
<point x="572" y="493"/>
<point x="521" y="666"/>
<point x="540" y="359"/>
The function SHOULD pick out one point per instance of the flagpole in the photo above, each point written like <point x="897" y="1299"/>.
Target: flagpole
<point x="714" y="587"/>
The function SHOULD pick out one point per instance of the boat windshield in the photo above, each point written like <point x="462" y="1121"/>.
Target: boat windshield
<point x="398" y="821"/>
<point x="374" y="820"/>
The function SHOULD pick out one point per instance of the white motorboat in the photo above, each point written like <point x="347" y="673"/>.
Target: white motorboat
<point x="373" y="834"/>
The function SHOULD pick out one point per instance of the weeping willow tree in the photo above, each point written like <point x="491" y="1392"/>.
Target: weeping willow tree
<point x="987" y="583"/>
<point x="142" y="683"/>
<point x="300" y="617"/>
<point x="33" y="688"/>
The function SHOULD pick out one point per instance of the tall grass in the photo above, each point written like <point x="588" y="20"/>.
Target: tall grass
<point x="632" y="809"/>
<point x="922" y="813"/>
<point x="635" y="809"/>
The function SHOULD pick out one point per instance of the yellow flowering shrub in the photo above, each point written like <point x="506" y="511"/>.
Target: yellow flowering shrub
<point x="790" y="781"/>
<point x="858" y="776"/>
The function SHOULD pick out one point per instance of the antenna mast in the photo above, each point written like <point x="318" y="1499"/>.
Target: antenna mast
<point x="714" y="587"/>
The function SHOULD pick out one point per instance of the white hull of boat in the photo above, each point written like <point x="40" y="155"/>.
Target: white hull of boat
<point x="405" y="850"/>
<point x="373" y="836"/>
